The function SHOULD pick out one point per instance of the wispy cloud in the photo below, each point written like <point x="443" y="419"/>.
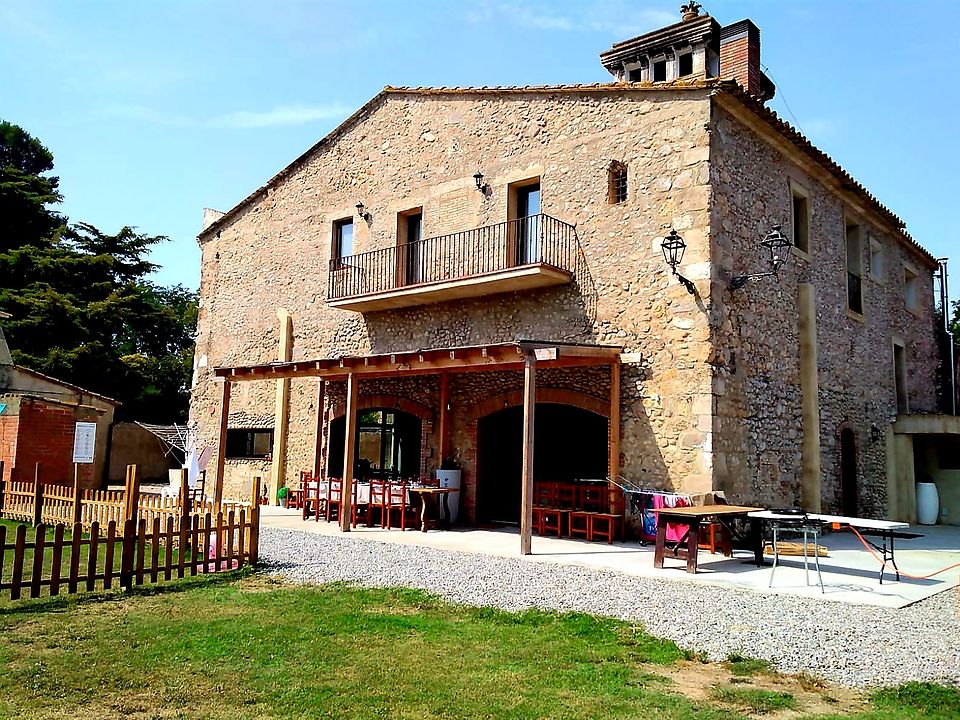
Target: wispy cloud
<point x="282" y="115"/>
<point x="606" y="16"/>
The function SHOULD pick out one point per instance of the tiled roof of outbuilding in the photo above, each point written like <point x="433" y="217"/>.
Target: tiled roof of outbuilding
<point x="731" y="87"/>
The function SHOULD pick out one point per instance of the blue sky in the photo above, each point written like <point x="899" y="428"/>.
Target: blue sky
<point x="156" y="110"/>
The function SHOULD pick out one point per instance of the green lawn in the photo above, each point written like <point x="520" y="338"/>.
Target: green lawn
<point x="248" y="647"/>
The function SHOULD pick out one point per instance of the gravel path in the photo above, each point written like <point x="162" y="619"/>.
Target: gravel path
<point x="848" y="644"/>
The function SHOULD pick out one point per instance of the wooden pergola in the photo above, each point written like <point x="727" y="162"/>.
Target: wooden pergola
<point x="525" y="355"/>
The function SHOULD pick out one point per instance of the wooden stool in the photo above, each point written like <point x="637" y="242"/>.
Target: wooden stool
<point x="579" y="524"/>
<point x="605" y="526"/>
<point x="715" y="535"/>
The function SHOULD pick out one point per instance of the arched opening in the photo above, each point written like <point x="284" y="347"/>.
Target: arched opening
<point x="387" y="445"/>
<point x="848" y="472"/>
<point x="570" y="444"/>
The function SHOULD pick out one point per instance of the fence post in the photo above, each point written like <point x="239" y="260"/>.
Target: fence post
<point x="131" y="498"/>
<point x="184" y="493"/>
<point x="37" y="497"/>
<point x="127" y="552"/>
<point x="254" y="520"/>
<point x="76" y="494"/>
<point x="3" y="488"/>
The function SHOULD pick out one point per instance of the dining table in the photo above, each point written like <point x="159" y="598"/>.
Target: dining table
<point x="433" y="496"/>
<point x="690" y="517"/>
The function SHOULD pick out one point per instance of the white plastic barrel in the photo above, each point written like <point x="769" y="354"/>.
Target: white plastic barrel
<point x="928" y="503"/>
<point x="451" y="479"/>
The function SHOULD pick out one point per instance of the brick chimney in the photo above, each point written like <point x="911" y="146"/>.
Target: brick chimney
<point x="740" y="58"/>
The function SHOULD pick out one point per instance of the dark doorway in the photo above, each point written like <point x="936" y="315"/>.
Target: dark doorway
<point x="528" y="224"/>
<point x="848" y="473"/>
<point x="410" y="233"/>
<point x="387" y="445"/>
<point x="569" y="444"/>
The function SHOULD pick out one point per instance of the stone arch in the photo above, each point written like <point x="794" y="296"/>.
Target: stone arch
<point x="368" y="402"/>
<point x="559" y="396"/>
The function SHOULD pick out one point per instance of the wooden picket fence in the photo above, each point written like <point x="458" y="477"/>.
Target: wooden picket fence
<point x="130" y="553"/>
<point x="36" y="502"/>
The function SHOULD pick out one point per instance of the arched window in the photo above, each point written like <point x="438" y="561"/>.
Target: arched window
<point x="616" y="183"/>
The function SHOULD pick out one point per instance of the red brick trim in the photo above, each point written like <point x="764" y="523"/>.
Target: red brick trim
<point x="367" y="402"/>
<point x="544" y="395"/>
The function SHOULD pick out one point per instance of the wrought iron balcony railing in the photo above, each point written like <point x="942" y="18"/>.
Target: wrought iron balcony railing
<point x="530" y="241"/>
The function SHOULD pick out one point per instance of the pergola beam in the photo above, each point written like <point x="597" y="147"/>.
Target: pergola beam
<point x="349" y="449"/>
<point x="222" y="445"/>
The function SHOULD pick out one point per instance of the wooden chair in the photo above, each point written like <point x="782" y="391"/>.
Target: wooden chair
<point x="544" y="494"/>
<point x="359" y="512"/>
<point x="565" y="496"/>
<point x="592" y="497"/>
<point x="334" y="502"/>
<point x="378" y="502"/>
<point x="579" y="524"/>
<point x="398" y="503"/>
<point x="314" y="499"/>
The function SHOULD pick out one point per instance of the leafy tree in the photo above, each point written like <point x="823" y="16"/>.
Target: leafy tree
<point x="82" y="307"/>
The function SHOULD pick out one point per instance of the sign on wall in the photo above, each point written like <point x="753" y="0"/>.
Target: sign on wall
<point x="84" y="442"/>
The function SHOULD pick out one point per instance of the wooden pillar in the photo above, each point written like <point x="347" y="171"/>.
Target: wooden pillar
<point x="278" y="465"/>
<point x="613" y="441"/>
<point x="222" y="444"/>
<point x="318" y="439"/>
<point x="810" y="491"/>
<point x="526" y="495"/>
<point x="349" y="447"/>
<point x="444" y="416"/>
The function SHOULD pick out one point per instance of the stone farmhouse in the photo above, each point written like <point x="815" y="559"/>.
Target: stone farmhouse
<point x="478" y="276"/>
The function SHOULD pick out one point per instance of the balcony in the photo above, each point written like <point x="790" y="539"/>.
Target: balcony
<point x="531" y="252"/>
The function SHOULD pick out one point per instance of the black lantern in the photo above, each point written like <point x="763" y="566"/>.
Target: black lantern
<point x="478" y="178"/>
<point x="775" y="247"/>
<point x="361" y="212"/>
<point x="673" y="247"/>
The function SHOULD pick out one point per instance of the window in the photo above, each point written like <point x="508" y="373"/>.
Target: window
<point x="249" y="443"/>
<point x="854" y="269"/>
<point x="801" y="218"/>
<point x="616" y="183"/>
<point x="876" y="260"/>
<point x="685" y="65"/>
<point x="524" y="229"/>
<point x="411" y="255"/>
<point x="342" y="241"/>
<point x="900" y="376"/>
<point x="911" y="288"/>
<point x="660" y="71"/>
<point x="634" y="74"/>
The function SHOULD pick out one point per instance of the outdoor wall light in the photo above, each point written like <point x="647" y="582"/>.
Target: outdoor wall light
<point x="364" y="215"/>
<point x="776" y="247"/>
<point x="673" y="247"/>
<point x="478" y="179"/>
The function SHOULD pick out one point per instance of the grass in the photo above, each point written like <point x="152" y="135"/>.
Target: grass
<point x="249" y="647"/>
<point x="743" y="666"/>
<point x="756" y="701"/>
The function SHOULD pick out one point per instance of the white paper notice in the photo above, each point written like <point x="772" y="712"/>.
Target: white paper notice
<point x="84" y="442"/>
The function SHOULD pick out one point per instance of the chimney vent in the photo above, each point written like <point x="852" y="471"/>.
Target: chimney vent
<point x="690" y="11"/>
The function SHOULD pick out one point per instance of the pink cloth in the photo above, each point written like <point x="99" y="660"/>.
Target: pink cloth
<point x="674" y="532"/>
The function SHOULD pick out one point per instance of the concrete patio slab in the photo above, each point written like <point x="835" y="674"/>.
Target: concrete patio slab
<point x="850" y="572"/>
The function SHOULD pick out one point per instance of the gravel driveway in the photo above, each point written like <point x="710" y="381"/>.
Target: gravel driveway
<point x="849" y="644"/>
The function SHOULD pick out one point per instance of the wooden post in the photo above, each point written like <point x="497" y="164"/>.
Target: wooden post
<point x="37" y="497"/>
<point x="184" y="498"/>
<point x="349" y="446"/>
<point x="444" y="416"/>
<point x="77" y="507"/>
<point x="613" y="441"/>
<point x="3" y="488"/>
<point x="319" y="445"/>
<point x="529" y="407"/>
<point x="222" y="445"/>
<point x="255" y="522"/>
<point x="131" y="496"/>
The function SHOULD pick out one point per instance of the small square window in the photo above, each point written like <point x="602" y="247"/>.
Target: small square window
<point x="660" y="71"/>
<point x="876" y="260"/>
<point x="617" y="183"/>
<point x="911" y="288"/>
<point x="256" y="444"/>
<point x="685" y="66"/>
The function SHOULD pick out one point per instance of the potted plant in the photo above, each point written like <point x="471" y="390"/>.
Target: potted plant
<point x="449" y="476"/>
<point x="282" y="496"/>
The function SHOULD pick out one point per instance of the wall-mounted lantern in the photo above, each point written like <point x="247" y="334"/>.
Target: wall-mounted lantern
<point x="776" y="249"/>
<point x="673" y="247"/>
<point x="478" y="179"/>
<point x="364" y="215"/>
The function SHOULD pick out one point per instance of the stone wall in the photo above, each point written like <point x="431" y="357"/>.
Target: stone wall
<point x="756" y="361"/>
<point x="417" y="150"/>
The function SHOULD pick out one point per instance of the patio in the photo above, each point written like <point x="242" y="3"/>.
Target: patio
<point x="850" y="573"/>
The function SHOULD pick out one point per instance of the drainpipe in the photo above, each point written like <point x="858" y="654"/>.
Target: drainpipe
<point x="945" y="305"/>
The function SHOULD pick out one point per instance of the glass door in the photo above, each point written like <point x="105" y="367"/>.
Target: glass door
<point x="413" y="271"/>
<point x="528" y="224"/>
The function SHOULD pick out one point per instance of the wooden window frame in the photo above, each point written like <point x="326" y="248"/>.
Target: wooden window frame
<point x="799" y="192"/>
<point x="336" y="242"/>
